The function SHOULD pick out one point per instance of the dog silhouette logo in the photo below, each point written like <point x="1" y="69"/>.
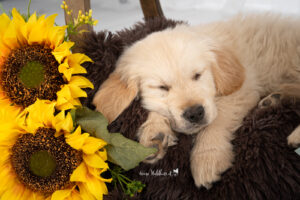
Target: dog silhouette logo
<point x="176" y="171"/>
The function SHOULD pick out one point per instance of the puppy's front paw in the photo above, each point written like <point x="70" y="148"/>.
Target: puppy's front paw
<point x="160" y="137"/>
<point x="294" y="138"/>
<point x="270" y="100"/>
<point x="208" y="165"/>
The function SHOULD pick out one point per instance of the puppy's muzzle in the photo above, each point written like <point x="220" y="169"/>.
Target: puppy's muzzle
<point x="194" y="114"/>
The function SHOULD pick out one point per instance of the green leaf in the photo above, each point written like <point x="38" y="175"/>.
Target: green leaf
<point x="120" y="150"/>
<point x="73" y="113"/>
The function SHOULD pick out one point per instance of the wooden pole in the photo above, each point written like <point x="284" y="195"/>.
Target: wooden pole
<point x="151" y="9"/>
<point x="75" y="6"/>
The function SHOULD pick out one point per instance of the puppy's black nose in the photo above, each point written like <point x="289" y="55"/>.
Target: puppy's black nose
<point x="194" y="114"/>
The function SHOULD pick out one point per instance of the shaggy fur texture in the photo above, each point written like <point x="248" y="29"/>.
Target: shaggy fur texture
<point x="265" y="167"/>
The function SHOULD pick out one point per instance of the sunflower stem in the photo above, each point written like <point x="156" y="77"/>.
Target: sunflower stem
<point x="2" y="9"/>
<point x="28" y="9"/>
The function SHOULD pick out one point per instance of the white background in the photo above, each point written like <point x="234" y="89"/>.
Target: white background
<point x="117" y="14"/>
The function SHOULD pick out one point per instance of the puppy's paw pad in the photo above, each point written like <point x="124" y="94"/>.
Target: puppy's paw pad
<point x="270" y="100"/>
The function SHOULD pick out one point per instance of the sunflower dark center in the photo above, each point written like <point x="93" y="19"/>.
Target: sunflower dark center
<point x="43" y="162"/>
<point x="31" y="72"/>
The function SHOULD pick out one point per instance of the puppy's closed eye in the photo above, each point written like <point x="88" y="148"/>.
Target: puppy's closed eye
<point x="196" y="76"/>
<point x="164" y="88"/>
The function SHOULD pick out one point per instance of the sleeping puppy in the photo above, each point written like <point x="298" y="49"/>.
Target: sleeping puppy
<point x="204" y="80"/>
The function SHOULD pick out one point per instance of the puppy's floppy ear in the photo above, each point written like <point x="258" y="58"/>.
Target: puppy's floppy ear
<point x="114" y="96"/>
<point x="228" y="72"/>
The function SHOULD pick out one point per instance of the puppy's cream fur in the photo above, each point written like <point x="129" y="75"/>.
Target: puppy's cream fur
<point x="225" y="66"/>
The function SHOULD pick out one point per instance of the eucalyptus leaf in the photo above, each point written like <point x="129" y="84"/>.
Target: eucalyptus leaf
<point x="120" y="150"/>
<point x="298" y="151"/>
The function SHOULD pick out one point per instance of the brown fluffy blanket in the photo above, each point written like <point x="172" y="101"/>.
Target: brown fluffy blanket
<point x="265" y="167"/>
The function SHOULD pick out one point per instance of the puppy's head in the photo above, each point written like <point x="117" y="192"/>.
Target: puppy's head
<point x="177" y="74"/>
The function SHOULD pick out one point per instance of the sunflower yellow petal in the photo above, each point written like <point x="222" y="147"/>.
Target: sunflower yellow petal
<point x="76" y="92"/>
<point x="75" y="61"/>
<point x="97" y="174"/>
<point x="65" y="99"/>
<point x="41" y="19"/>
<point x="94" y="160"/>
<point x="79" y="58"/>
<point x="62" y="51"/>
<point x="4" y="23"/>
<point x="32" y="19"/>
<point x="96" y="188"/>
<point x="85" y="193"/>
<point x="81" y="82"/>
<point x="76" y="139"/>
<point x="63" y="95"/>
<point x="16" y="191"/>
<point x="18" y="21"/>
<point x="4" y="51"/>
<point x="75" y="195"/>
<point x="102" y="153"/>
<point x="75" y="102"/>
<point x="7" y="179"/>
<point x="37" y="196"/>
<point x="5" y="155"/>
<point x="17" y="16"/>
<point x="10" y="37"/>
<point x="56" y="36"/>
<point x="66" y="106"/>
<point x="92" y="144"/>
<point x="8" y="137"/>
<point x="50" y="20"/>
<point x="65" y="124"/>
<point x="61" y="194"/>
<point x="30" y="24"/>
<point x="77" y="69"/>
<point x="41" y="112"/>
<point x="79" y="174"/>
<point x="35" y="36"/>
<point x="65" y="70"/>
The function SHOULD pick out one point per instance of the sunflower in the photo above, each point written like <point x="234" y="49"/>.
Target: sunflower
<point x="36" y="62"/>
<point x="45" y="157"/>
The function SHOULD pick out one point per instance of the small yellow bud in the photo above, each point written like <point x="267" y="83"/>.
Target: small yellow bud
<point x="90" y="11"/>
<point x="95" y="22"/>
<point x="79" y="13"/>
<point x="87" y="17"/>
<point x="64" y="3"/>
<point x="81" y="20"/>
<point x="69" y="13"/>
<point x="62" y="6"/>
<point x="66" y="6"/>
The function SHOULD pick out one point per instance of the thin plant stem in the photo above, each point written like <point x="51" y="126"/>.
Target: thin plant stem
<point x="28" y="9"/>
<point x="2" y="9"/>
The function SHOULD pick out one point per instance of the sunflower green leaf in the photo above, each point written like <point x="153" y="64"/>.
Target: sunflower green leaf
<point x="120" y="150"/>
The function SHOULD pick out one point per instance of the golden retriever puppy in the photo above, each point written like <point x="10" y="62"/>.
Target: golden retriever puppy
<point x="204" y="80"/>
